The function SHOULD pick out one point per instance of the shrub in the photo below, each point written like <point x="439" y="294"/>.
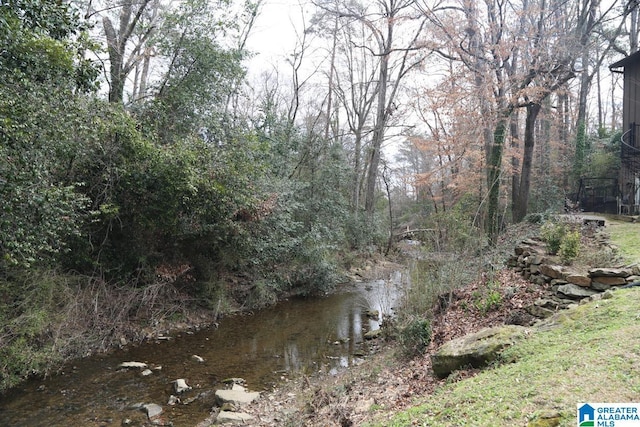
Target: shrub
<point x="553" y="233"/>
<point x="537" y="217"/>
<point x="414" y="336"/>
<point x="569" y="247"/>
<point x="488" y="299"/>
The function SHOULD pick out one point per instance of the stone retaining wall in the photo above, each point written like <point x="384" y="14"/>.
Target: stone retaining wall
<point x="567" y="284"/>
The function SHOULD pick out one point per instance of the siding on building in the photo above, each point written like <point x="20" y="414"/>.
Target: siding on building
<point x="630" y="148"/>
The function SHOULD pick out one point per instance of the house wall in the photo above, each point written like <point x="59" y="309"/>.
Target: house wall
<point x="631" y="101"/>
<point x="631" y="115"/>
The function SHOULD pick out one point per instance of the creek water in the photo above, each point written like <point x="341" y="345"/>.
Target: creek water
<point x="298" y="335"/>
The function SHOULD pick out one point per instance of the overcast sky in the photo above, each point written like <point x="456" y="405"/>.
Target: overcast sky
<point x="274" y="34"/>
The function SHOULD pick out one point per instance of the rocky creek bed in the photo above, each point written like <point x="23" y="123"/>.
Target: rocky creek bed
<point x="376" y="383"/>
<point x="384" y="384"/>
<point x="179" y="377"/>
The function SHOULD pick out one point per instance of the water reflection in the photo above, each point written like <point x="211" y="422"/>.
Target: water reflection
<point x="296" y="335"/>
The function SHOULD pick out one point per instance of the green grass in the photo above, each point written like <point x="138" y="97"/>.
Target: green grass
<point x="626" y="236"/>
<point x="589" y="355"/>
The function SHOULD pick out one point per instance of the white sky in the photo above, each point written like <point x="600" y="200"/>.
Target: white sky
<point x="273" y="37"/>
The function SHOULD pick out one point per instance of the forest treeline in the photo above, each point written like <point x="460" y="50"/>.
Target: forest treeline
<point x="141" y="172"/>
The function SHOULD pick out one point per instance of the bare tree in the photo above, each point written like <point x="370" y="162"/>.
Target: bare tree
<point x="395" y="57"/>
<point x="491" y="43"/>
<point x="125" y="23"/>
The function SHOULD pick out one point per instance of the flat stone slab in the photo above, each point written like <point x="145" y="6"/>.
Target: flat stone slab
<point x="575" y="292"/>
<point x="610" y="272"/>
<point x="228" y="417"/>
<point x="475" y="350"/>
<point x="610" y="280"/>
<point x="579" y="279"/>
<point x="132" y="365"/>
<point x="592" y="219"/>
<point x="236" y="397"/>
<point x="553" y="271"/>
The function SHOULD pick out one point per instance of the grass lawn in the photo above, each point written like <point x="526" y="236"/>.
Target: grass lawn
<point x="591" y="354"/>
<point x="626" y="236"/>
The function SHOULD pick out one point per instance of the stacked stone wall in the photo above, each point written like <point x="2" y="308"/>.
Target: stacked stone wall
<point x="567" y="284"/>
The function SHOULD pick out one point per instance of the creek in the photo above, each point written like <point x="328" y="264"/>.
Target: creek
<point x="295" y="336"/>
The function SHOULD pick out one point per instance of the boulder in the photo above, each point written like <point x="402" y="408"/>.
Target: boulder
<point x="575" y="292"/>
<point x="475" y="350"/>
<point x="579" y="279"/>
<point x="228" y="417"/>
<point x="153" y="410"/>
<point x="535" y="259"/>
<point x="551" y="304"/>
<point x="552" y="271"/>
<point x="520" y="317"/>
<point x="236" y="397"/>
<point x="540" y="279"/>
<point x="539" y="311"/>
<point x="600" y="286"/>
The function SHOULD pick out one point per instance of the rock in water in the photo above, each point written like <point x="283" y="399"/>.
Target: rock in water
<point x="152" y="410"/>
<point x="128" y="365"/>
<point x="180" y="386"/>
<point x="236" y="397"/>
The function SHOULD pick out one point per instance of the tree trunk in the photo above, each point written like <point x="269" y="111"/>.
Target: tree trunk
<point x="357" y="153"/>
<point x="633" y="31"/>
<point x="116" y="61"/>
<point x="515" y="163"/>
<point x="117" y="44"/>
<point x="494" y="170"/>
<point x="378" y="133"/>
<point x="520" y="210"/>
<point x="332" y="68"/>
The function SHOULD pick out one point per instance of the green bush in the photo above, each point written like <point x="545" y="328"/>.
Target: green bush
<point x="569" y="247"/>
<point x="553" y="233"/>
<point x="31" y="336"/>
<point x="488" y="299"/>
<point x="561" y="240"/>
<point x="414" y="336"/>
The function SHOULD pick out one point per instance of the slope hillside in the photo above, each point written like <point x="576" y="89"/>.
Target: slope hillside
<point x="585" y="354"/>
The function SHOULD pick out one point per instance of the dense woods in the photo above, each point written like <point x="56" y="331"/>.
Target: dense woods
<point x="142" y="172"/>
